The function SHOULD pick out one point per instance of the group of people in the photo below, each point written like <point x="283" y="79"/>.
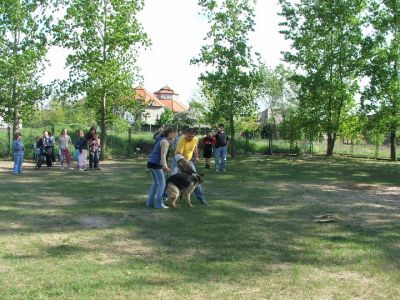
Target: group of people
<point x="180" y="145"/>
<point x="183" y="145"/>
<point x="44" y="150"/>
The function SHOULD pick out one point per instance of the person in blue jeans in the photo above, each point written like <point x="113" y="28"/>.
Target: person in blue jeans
<point x="187" y="148"/>
<point x="18" y="148"/>
<point x="157" y="163"/>
<point x="221" y="148"/>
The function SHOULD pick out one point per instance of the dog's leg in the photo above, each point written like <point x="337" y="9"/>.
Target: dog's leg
<point x="173" y="195"/>
<point x="187" y="196"/>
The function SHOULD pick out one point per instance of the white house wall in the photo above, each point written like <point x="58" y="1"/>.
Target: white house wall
<point x="152" y="114"/>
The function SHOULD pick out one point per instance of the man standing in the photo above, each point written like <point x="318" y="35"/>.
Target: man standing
<point x="221" y="148"/>
<point x="187" y="147"/>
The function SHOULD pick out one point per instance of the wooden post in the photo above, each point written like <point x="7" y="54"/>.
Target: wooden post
<point x="129" y="141"/>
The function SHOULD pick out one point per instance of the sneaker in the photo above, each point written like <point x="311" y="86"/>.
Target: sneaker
<point x="216" y="170"/>
<point x="162" y="207"/>
<point x="203" y="202"/>
<point x="223" y="170"/>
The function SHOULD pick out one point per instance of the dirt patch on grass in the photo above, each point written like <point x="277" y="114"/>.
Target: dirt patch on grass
<point x="95" y="221"/>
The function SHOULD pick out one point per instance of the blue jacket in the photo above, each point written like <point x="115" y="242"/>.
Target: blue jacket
<point x="18" y="147"/>
<point x="155" y="155"/>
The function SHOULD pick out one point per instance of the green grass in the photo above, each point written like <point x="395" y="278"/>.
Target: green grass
<point x="70" y="235"/>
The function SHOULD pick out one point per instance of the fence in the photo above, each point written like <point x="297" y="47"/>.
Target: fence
<point x="127" y="144"/>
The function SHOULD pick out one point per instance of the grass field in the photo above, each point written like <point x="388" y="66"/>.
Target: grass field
<point x="71" y="235"/>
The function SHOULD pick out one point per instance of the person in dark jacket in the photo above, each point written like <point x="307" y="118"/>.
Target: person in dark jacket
<point x="90" y="136"/>
<point x="81" y="147"/>
<point x="221" y="148"/>
<point x="46" y="148"/>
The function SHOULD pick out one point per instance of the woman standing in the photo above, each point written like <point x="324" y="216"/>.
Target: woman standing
<point x="89" y="136"/>
<point x="157" y="163"/>
<point x="46" y="149"/>
<point x="81" y="147"/>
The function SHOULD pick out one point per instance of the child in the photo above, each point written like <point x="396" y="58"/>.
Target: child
<point x="81" y="147"/>
<point x="64" y="140"/>
<point x="94" y="150"/>
<point x="36" y="149"/>
<point x="208" y="144"/>
<point x="18" y="147"/>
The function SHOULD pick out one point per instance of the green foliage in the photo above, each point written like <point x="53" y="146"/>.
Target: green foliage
<point x="230" y="82"/>
<point x="382" y="67"/>
<point x="326" y="49"/>
<point x="199" y="107"/>
<point x="77" y="112"/>
<point x="23" y="46"/>
<point x="187" y="119"/>
<point x="105" y="36"/>
<point x="352" y="126"/>
<point x="120" y="125"/>
<point x="166" y="118"/>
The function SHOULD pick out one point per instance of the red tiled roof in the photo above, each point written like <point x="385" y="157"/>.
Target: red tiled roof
<point x="166" y="90"/>
<point x="174" y="105"/>
<point x="142" y="94"/>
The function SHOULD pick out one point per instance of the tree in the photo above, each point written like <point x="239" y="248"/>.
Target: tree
<point x="199" y="108"/>
<point x="352" y="127"/>
<point x="166" y="118"/>
<point x="326" y="48"/>
<point x="248" y="126"/>
<point x="186" y="119"/>
<point x="23" y="46"/>
<point x="105" y="36"/>
<point x="382" y="51"/>
<point x="279" y="93"/>
<point x="232" y="76"/>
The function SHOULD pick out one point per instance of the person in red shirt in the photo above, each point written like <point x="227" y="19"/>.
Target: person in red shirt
<point x="208" y="144"/>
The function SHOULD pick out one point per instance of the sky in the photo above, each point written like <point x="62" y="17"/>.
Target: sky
<point x="177" y="32"/>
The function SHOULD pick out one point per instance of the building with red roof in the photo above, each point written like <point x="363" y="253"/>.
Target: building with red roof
<point x="169" y="98"/>
<point x="157" y="102"/>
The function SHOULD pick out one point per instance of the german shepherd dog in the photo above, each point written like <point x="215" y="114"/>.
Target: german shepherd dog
<point x="182" y="183"/>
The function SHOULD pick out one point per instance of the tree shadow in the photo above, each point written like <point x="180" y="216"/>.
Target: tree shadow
<point x="260" y="215"/>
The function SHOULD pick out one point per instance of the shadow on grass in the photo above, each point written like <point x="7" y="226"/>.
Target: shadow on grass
<point x="260" y="213"/>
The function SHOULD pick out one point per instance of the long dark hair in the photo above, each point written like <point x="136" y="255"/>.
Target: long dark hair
<point x="167" y="131"/>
